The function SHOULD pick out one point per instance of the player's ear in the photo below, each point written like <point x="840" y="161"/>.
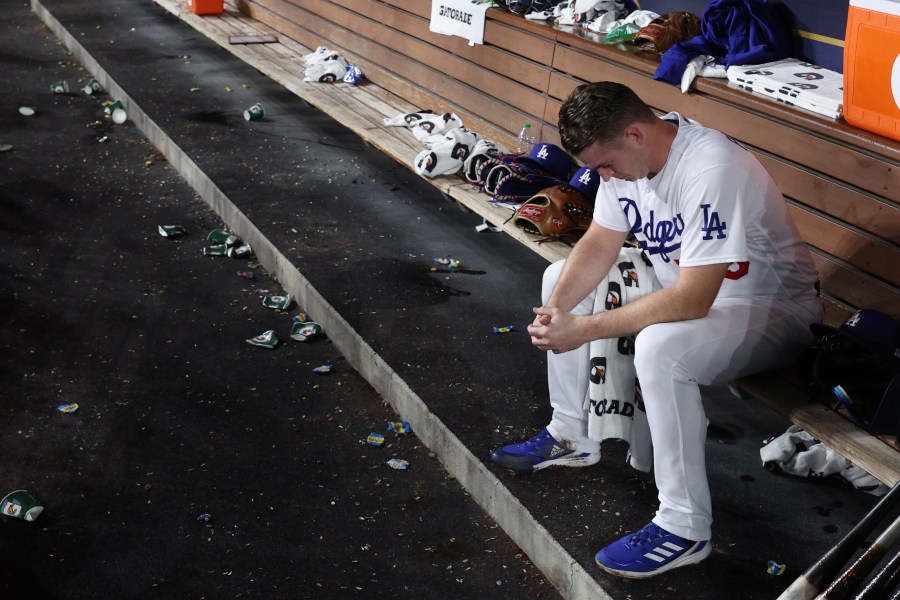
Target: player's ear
<point x="634" y="133"/>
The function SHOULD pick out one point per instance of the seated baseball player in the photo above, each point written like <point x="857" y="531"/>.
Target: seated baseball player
<point x="735" y="293"/>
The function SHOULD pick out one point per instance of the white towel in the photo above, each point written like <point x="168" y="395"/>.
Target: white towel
<point x="798" y="453"/>
<point x="614" y="403"/>
<point x="795" y="83"/>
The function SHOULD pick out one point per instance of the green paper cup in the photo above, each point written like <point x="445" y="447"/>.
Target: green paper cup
<point x="255" y="112"/>
<point x="21" y="505"/>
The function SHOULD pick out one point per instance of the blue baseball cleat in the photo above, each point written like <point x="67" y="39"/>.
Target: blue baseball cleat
<point x="542" y="451"/>
<point x="649" y="552"/>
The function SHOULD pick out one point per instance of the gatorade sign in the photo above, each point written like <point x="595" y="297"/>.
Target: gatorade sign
<point x="459" y="17"/>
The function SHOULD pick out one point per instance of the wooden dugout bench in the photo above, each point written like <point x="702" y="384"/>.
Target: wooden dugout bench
<point x="842" y="184"/>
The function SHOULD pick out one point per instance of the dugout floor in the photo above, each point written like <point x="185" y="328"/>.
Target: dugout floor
<point x="105" y="312"/>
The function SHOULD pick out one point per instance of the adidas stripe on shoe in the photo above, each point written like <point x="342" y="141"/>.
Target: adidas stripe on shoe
<point x="649" y="552"/>
<point x="540" y="452"/>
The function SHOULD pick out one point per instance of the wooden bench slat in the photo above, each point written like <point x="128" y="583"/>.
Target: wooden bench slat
<point x="846" y="204"/>
<point x="846" y="285"/>
<point x="869" y="254"/>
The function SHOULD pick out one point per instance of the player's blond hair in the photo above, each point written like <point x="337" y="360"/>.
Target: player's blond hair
<point x="600" y="112"/>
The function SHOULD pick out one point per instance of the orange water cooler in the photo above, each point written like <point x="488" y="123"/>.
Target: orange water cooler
<point x="206" y="7"/>
<point x="872" y="66"/>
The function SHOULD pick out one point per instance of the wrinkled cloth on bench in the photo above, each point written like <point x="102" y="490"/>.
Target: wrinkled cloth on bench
<point x="797" y="452"/>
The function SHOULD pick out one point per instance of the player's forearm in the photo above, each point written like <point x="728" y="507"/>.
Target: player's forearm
<point x="586" y="266"/>
<point x="690" y="299"/>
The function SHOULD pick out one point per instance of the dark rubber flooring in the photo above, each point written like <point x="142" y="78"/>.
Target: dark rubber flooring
<point x="179" y="416"/>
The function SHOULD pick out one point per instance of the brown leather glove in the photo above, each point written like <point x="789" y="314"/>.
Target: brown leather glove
<point x="665" y="31"/>
<point x="555" y="211"/>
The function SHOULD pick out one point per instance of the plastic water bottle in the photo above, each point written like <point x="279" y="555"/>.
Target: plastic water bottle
<point x="526" y="139"/>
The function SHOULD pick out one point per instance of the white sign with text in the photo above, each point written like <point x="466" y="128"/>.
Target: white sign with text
<point x="459" y="17"/>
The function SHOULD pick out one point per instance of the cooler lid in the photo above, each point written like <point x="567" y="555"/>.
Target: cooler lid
<point x="890" y="7"/>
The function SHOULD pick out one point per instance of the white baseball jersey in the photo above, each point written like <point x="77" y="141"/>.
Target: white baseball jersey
<point x="712" y="202"/>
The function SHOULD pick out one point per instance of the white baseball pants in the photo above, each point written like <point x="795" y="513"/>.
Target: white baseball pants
<point x="738" y="337"/>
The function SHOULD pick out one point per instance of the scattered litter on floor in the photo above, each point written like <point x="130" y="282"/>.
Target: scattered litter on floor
<point x="5" y="147"/>
<point x="242" y="251"/>
<point x="60" y="87"/>
<point x="277" y="302"/>
<point x="375" y="439"/>
<point x="305" y="332"/>
<point x="220" y="236"/>
<point x="324" y="369"/>
<point x="399" y="464"/>
<point x="301" y="317"/>
<point x="774" y="568"/>
<point x="171" y="231"/>
<point x="21" y="505"/>
<point x="255" y="112"/>
<point x="216" y="250"/>
<point x="226" y="244"/>
<point x="485" y="226"/>
<point x="92" y="87"/>
<point x="205" y="517"/>
<point x="505" y="329"/>
<point x="67" y="408"/>
<point x="268" y="339"/>
<point x="247" y="275"/>
<point x="399" y="427"/>
<point x="26" y="111"/>
<point x="453" y="263"/>
<point x="116" y="110"/>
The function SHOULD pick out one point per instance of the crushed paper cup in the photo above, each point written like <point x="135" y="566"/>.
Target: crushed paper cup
<point x="268" y="339"/>
<point x="216" y="250"/>
<point x="305" y="332"/>
<point x="242" y="251"/>
<point x="220" y="236"/>
<point x="278" y="303"/>
<point x="21" y="505"/>
<point x="171" y="231"/>
<point x="92" y="87"/>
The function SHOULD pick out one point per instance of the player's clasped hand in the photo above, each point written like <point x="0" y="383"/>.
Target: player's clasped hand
<point x="554" y="330"/>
